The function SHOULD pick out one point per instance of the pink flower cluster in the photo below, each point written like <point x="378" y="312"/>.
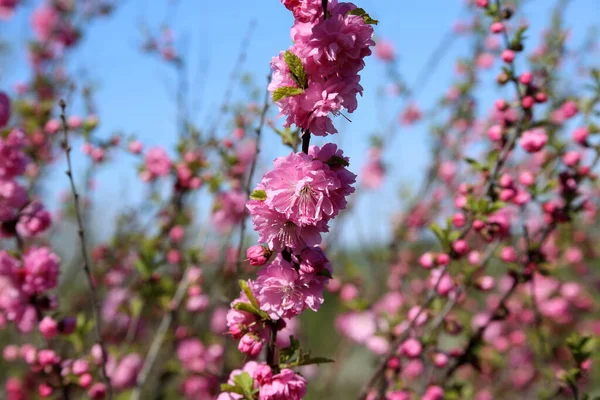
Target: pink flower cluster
<point x="295" y="201"/>
<point x="19" y="215"/>
<point x="301" y="194"/>
<point x="285" y="385"/>
<point x="319" y="73"/>
<point x="24" y="286"/>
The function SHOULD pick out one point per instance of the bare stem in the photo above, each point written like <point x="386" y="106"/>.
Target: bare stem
<point x="83" y="246"/>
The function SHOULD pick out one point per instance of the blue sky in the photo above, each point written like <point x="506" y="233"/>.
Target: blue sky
<point x="132" y="95"/>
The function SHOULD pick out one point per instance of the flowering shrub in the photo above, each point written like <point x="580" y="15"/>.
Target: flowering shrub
<point x="487" y="287"/>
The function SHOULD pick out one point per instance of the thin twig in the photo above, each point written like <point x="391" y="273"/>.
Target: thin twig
<point x="84" y="254"/>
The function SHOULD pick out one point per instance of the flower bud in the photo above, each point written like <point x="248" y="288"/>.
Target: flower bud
<point x="258" y="255"/>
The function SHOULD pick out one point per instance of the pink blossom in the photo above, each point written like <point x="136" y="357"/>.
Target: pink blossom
<point x="41" y="268"/>
<point x="279" y="231"/>
<point x="4" y="107"/>
<point x="191" y="353"/>
<point x="229" y="210"/>
<point x="97" y="391"/>
<point x="284" y="293"/>
<point x="286" y="385"/>
<point x="580" y="135"/>
<point x="135" y="147"/>
<point x="358" y="326"/>
<point x="337" y="45"/>
<point x="44" y="20"/>
<point x="373" y="172"/>
<point x="125" y="373"/>
<point x="433" y="393"/>
<point x="12" y="158"/>
<point x="33" y="220"/>
<point x="533" y="140"/>
<point x="411" y="114"/>
<point x="306" y="10"/>
<point x="411" y="348"/>
<point x="385" y="51"/>
<point x="157" y="162"/>
<point x="48" y="327"/>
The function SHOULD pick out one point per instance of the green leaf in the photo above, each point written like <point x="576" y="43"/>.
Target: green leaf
<point x="289" y="352"/>
<point x="286" y="91"/>
<point x="314" y="360"/>
<point x="439" y="232"/>
<point x="296" y="69"/>
<point x="335" y="161"/>
<point x="231" y="389"/>
<point x="362" y="13"/>
<point x="258" y="195"/>
<point x="248" y="292"/>
<point x="251" y="309"/>
<point x="246" y="383"/>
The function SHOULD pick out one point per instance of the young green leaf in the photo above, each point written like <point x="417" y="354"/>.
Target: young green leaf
<point x="286" y="91"/>
<point x="258" y="195"/>
<point x="296" y="69"/>
<point x="246" y="289"/>
<point x="362" y="13"/>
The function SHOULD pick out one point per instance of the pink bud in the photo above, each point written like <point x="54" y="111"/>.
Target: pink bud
<point x="426" y="260"/>
<point x="569" y="109"/>
<point x="527" y="102"/>
<point x="97" y="392"/>
<point x="173" y="256"/>
<point x="580" y="135"/>
<point x="461" y="247"/>
<point x="533" y="140"/>
<point x="497" y="27"/>
<point x="80" y="367"/>
<point x="85" y="380"/>
<point x="474" y="258"/>
<point x="526" y="78"/>
<point x="527" y="178"/>
<point x="258" y="255"/>
<point x="411" y="348"/>
<point x="500" y="105"/>
<point x="571" y="158"/>
<point x="508" y="56"/>
<point x="250" y="344"/>
<point x="459" y="220"/>
<point x="52" y="126"/>
<point x="483" y="3"/>
<point x="442" y="259"/>
<point x="485" y="283"/>
<point x="74" y="122"/>
<point x="505" y="181"/>
<point x="433" y="393"/>
<point x="495" y="133"/>
<point x="47" y="357"/>
<point x="176" y="233"/>
<point x="349" y="292"/>
<point x="440" y="360"/>
<point x="135" y="147"/>
<point x="45" y="390"/>
<point x="48" y="327"/>
<point x="541" y="97"/>
<point x="508" y="254"/>
<point x="478" y="225"/>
